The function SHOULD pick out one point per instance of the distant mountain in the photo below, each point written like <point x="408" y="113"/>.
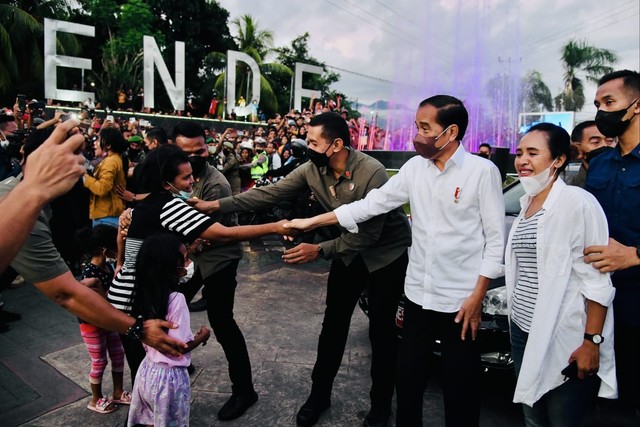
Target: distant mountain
<point x="380" y="105"/>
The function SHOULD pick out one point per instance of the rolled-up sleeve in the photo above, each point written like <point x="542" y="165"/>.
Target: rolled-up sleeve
<point x="596" y="286"/>
<point x="491" y="204"/>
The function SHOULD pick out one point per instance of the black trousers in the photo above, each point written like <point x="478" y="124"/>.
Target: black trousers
<point x="134" y="351"/>
<point x="344" y="286"/>
<point x="219" y="292"/>
<point x="460" y="368"/>
<point x="627" y="348"/>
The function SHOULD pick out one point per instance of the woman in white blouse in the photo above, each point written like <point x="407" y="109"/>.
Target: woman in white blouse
<point x="559" y="307"/>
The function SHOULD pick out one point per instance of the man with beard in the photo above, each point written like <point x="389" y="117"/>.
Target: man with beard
<point x="614" y="179"/>
<point x="216" y="268"/>
<point x="376" y="257"/>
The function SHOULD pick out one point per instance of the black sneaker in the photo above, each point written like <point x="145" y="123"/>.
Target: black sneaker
<point x="4" y="327"/>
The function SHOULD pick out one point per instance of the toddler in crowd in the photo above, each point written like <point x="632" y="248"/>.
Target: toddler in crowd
<point x="162" y="391"/>
<point x="101" y="244"/>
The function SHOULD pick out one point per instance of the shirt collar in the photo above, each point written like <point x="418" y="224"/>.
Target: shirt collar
<point x="456" y="159"/>
<point x="325" y="170"/>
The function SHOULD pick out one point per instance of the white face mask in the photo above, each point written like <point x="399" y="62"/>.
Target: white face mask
<point x="190" y="269"/>
<point x="533" y="185"/>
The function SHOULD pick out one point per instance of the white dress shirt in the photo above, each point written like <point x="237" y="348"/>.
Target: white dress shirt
<point x="573" y="220"/>
<point x="457" y="225"/>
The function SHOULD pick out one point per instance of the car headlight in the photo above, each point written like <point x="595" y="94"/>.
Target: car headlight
<point x="495" y="301"/>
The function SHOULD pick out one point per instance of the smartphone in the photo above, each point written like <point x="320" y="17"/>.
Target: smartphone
<point x="109" y="118"/>
<point x="22" y="102"/>
<point x="571" y="371"/>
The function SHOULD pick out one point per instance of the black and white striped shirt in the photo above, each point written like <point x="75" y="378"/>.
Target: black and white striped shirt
<point x="525" y="293"/>
<point x="159" y="212"/>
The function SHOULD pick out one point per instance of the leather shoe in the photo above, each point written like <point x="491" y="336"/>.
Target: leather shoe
<point x="237" y="405"/>
<point x="310" y="412"/>
<point x="200" y="305"/>
<point x="375" y="419"/>
<point x="7" y="316"/>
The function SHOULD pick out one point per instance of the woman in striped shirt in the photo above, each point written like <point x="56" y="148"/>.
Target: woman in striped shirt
<point x="558" y="305"/>
<point x="167" y="176"/>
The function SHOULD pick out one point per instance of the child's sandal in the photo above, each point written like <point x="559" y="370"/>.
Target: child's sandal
<point x="125" y="398"/>
<point x="103" y="406"/>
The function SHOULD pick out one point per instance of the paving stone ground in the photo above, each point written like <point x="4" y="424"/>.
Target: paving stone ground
<point x="44" y="365"/>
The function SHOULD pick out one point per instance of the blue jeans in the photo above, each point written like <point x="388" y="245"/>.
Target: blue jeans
<point x="568" y="405"/>
<point x="107" y="220"/>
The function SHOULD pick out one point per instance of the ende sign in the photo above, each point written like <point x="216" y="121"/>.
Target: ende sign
<point x="153" y="59"/>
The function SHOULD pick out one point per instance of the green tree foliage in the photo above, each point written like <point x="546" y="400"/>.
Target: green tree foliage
<point x="579" y="58"/>
<point x="257" y="43"/>
<point x="536" y="94"/>
<point x="21" y="46"/>
<point x="299" y="52"/>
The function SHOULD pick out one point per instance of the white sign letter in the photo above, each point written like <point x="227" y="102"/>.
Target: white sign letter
<point x="52" y="61"/>
<point x="152" y="56"/>
<point x="299" y="92"/>
<point x="233" y="57"/>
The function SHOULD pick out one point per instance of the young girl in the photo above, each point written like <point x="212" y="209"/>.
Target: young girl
<point x="162" y="391"/>
<point x="101" y="243"/>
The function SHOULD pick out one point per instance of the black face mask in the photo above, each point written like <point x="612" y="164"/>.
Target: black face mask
<point x="485" y="155"/>
<point x="198" y="163"/>
<point x="594" y="153"/>
<point x="610" y="123"/>
<point x="319" y="159"/>
<point x="133" y="153"/>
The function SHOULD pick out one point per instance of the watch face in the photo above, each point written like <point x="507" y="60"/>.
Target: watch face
<point x="597" y="339"/>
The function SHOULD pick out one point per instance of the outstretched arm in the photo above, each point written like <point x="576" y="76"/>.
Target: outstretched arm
<point x="219" y="233"/>
<point x="306" y="224"/>
<point x="78" y="299"/>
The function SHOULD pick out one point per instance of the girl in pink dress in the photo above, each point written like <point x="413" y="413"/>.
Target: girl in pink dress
<point x="162" y="391"/>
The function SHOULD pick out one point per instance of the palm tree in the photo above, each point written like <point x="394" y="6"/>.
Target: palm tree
<point x="257" y="43"/>
<point x="19" y="32"/>
<point x="578" y="57"/>
<point x="21" y="56"/>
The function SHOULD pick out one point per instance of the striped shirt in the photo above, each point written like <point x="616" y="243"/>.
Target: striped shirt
<point x="525" y="293"/>
<point x="159" y="212"/>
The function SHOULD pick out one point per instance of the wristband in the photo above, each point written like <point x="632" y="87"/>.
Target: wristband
<point x="136" y="331"/>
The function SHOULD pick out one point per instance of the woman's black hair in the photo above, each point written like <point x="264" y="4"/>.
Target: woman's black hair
<point x="112" y="139"/>
<point x="157" y="267"/>
<point x="558" y="141"/>
<point x="93" y="240"/>
<point x="160" y="166"/>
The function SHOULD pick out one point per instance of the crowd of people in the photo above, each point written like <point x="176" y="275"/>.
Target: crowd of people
<point x="164" y="206"/>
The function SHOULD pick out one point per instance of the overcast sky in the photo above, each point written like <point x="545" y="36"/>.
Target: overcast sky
<point x="407" y="50"/>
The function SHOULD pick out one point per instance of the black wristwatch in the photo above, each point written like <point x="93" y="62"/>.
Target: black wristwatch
<point x="320" y="251"/>
<point x="136" y="331"/>
<point x="597" y="339"/>
<point x="638" y="251"/>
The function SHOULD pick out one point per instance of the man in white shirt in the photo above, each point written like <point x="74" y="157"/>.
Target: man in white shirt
<point x="457" y="212"/>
